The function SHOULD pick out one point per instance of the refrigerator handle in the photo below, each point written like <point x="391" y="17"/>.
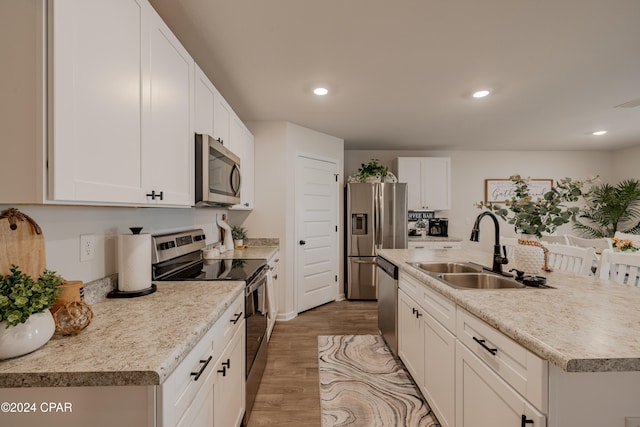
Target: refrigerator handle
<point x="377" y="215"/>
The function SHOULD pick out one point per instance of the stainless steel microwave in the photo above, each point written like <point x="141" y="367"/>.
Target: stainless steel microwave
<point x="217" y="173"/>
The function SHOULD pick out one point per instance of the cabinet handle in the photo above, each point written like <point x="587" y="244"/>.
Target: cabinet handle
<point x="227" y="363"/>
<point x="238" y="316"/>
<point x="525" y="421"/>
<point x="223" y="371"/>
<point x="413" y="310"/>
<point x="490" y="350"/>
<point x="275" y="277"/>
<point x="418" y="314"/>
<point x="202" y="368"/>
<point x="153" y="195"/>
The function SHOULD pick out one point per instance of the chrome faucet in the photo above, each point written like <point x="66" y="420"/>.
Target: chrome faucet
<point x="498" y="258"/>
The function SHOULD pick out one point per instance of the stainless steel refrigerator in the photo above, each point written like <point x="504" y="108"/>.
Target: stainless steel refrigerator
<point x="376" y="217"/>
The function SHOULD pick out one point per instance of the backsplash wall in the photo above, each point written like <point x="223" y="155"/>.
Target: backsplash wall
<point x="63" y="225"/>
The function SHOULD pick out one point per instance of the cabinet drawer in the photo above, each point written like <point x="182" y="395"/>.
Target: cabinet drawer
<point x="227" y="325"/>
<point x="439" y="307"/>
<point x="179" y="390"/>
<point x="412" y="287"/>
<point x="434" y="245"/>
<point x="524" y="371"/>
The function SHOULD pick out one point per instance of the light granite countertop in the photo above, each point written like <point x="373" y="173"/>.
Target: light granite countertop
<point x="250" y="252"/>
<point x="131" y="341"/>
<point x="585" y="324"/>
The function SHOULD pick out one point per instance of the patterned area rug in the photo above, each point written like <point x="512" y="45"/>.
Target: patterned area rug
<point x="361" y="384"/>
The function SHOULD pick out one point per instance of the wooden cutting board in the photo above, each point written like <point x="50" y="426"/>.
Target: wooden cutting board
<point x="21" y="243"/>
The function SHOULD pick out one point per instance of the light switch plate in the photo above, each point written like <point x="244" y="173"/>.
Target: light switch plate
<point x="632" y="422"/>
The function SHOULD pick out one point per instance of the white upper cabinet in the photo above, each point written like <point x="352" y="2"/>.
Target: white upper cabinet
<point x="241" y="142"/>
<point x="221" y="120"/>
<point x="98" y="96"/>
<point x="428" y="181"/>
<point x="204" y="103"/>
<point x="214" y="117"/>
<point x="168" y="147"/>
<point x="116" y="88"/>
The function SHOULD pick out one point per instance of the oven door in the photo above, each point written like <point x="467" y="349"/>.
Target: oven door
<point x="256" y="324"/>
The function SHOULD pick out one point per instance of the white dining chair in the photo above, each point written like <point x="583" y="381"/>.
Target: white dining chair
<point x="571" y="258"/>
<point x="599" y="244"/>
<point x="556" y="239"/>
<point x="621" y="267"/>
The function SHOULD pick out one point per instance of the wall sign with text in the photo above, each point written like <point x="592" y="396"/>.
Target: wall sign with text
<point x="501" y="190"/>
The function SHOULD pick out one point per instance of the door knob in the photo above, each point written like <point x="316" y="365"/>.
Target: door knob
<point x="302" y="242"/>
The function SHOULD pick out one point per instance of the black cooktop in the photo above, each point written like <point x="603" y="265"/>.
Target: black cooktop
<point x="219" y="269"/>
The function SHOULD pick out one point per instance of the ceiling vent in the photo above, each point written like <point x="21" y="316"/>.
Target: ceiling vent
<point x="631" y="104"/>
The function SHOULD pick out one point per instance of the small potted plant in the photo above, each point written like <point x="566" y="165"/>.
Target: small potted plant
<point x="26" y="323"/>
<point x="238" y="234"/>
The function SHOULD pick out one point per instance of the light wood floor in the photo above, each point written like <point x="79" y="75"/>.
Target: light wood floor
<point x="289" y="393"/>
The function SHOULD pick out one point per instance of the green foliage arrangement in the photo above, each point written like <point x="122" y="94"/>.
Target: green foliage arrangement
<point x="539" y="215"/>
<point x="610" y="209"/>
<point x="21" y="296"/>
<point x="238" y="233"/>
<point x="371" y="169"/>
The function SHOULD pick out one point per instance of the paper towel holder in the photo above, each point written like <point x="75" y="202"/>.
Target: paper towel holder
<point x="117" y="293"/>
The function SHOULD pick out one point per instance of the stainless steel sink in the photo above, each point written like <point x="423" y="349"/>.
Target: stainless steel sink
<point x="479" y="281"/>
<point x="447" y="267"/>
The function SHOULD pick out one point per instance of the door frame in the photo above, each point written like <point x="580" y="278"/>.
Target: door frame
<point x="297" y="216"/>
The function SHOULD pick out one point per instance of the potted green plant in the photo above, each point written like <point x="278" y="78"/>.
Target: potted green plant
<point x="26" y="323"/>
<point x="609" y="209"/>
<point x="374" y="172"/>
<point x="532" y="216"/>
<point x="239" y="234"/>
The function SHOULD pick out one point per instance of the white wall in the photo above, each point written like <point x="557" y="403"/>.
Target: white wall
<point x="626" y="164"/>
<point x="63" y="225"/>
<point x="469" y="169"/>
<point x="277" y="144"/>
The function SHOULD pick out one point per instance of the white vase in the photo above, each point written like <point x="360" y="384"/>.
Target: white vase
<point x="238" y="242"/>
<point x="529" y="258"/>
<point x="26" y="337"/>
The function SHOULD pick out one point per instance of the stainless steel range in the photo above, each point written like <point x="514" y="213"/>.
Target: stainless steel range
<point x="178" y="257"/>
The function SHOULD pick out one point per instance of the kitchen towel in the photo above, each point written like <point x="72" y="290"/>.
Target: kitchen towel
<point x="134" y="262"/>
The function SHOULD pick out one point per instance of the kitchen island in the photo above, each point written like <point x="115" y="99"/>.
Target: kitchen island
<point x="583" y="334"/>
<point x="119" y="363"/>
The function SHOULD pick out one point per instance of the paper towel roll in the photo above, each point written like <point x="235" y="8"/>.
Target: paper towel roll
<point x="134" y="262"/>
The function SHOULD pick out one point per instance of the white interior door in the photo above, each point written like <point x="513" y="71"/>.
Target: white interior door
<point x="317" y="234"/>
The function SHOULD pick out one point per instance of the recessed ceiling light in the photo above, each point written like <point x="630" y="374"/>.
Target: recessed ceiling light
<point x="599" y="132"/>
<point x="481" y="94"/>
<point x="321" y="91"/>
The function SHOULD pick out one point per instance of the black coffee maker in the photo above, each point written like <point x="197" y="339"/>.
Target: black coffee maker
<point x="438" y="227"/>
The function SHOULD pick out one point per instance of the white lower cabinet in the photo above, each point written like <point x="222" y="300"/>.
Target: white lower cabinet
<point x="427" y="346"/>
<point x="410" y="337"/>
<point x="469" y="373"/>
<point x="484" y="399"/>
<point x="439" y="370"/>
<point x="208" y="386"/>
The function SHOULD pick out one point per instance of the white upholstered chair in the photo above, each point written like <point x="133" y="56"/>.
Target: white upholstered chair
<point x="559" y="239"/>
<point x="621" y="267"/>
<point x="571" y="258"/>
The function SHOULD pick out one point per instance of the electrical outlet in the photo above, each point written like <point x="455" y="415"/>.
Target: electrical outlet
<point x="87" y="247"/>
<point x="632" y="422"/>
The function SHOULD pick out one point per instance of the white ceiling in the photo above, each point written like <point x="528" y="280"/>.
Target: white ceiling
<point x="401" y="72"/>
